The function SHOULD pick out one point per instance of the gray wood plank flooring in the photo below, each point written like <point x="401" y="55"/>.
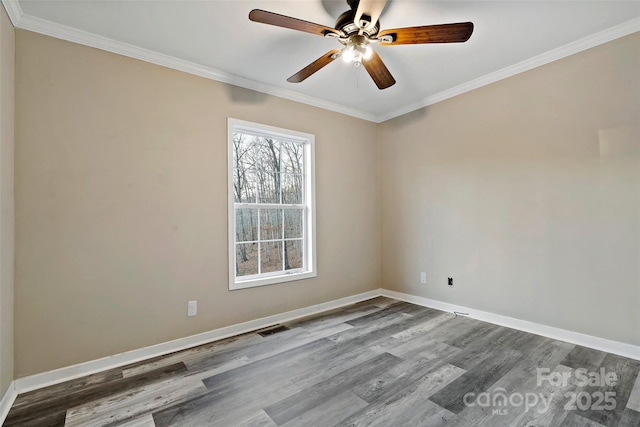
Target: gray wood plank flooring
<point x="377" y="363"/>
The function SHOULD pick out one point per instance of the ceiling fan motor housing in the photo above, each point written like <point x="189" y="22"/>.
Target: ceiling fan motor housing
<point x="346" y="24"/>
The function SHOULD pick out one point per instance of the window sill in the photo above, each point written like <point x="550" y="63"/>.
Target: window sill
<point x="245" y="284"/>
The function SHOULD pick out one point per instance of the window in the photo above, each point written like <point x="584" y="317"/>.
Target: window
<point x="271" y="205"/>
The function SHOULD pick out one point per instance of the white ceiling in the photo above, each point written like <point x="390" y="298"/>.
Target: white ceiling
<point x="217" y="40"/>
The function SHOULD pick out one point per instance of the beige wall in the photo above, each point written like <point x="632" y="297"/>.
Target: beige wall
<point x="6" y="200"/>
<point x="121" y="204"/>
<point x="527" y="193"/>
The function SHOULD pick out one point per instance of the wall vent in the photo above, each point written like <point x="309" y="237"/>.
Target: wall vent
<point x="276" y="329"/>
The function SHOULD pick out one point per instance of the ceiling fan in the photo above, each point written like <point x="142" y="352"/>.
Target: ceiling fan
<point x="356" y="30"/>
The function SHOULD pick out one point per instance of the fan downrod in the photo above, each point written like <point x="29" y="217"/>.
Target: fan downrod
<point x="353" y="4"/>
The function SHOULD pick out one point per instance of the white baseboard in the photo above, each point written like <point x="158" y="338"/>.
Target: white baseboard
<point x="33" y="382"/>
<point x="6" y="401"/>
<point x="56" y="376"/>
<point x="615" y="347"/>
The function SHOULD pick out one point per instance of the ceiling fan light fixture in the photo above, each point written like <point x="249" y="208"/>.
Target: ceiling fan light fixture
<point x="357" y="60"/>
<point x="348" y="54"/>
<point x="357" y="50"/>
<point x="368" y="53"/>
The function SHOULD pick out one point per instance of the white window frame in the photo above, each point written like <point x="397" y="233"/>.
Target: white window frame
<point x="309" y="234"/>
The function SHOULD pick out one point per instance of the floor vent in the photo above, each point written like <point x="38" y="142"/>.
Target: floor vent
<point x="275" y="330"/>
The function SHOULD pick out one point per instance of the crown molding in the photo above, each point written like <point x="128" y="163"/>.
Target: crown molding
<point x="585" y="43"/>
<point x="49" y="28"/>
<point x="13" y="10"/>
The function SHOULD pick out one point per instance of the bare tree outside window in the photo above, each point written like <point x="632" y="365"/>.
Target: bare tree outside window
<point x="268" y="185"/>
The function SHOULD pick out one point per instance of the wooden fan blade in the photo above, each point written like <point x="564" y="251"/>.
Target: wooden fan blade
<point x="313" y="67"/>
<point x="371" y="8"/>
<point x="258" y="15"/>
<point x="445" y="33"/>
<point x="378" y="71"/>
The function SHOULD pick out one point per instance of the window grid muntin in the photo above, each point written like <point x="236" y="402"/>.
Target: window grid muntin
<point x="259" y="241"/>
<point x="258" y="206"/>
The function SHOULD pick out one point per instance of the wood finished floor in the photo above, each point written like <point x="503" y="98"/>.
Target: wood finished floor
<point x="376" y="363"/>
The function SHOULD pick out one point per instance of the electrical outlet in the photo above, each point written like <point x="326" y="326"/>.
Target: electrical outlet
<point x="450" y="281"/>
<point x="192" y="308"/>
<point x="423" y="278"/>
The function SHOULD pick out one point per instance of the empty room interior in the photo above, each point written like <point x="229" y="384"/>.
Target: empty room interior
<point x="435" y="223"/>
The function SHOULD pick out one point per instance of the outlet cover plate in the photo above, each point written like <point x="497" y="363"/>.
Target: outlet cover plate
<point x="192" y="308"/>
